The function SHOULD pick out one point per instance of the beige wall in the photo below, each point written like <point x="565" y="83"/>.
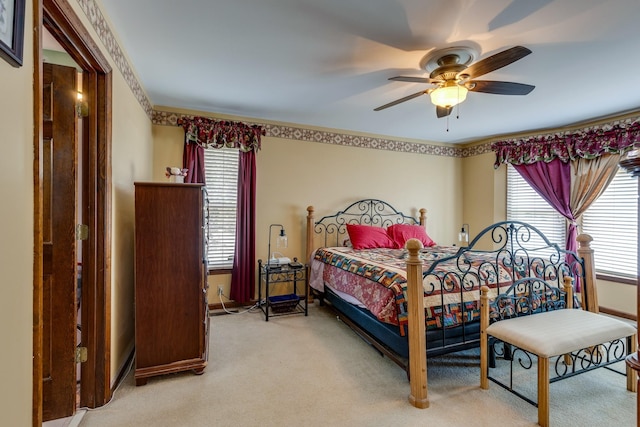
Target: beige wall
<point x="295" y="174"/>
<point x="132" y="158"/>
<point x="168" y="142"/>
<point x="620" y="297"/>
<point x="484" y="191"/>
<point x="482" y="195"/>
<point x="16" y="236"/>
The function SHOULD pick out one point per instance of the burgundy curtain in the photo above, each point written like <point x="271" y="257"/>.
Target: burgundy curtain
<point x="211" y="133"/>
<point x="588" y="143"/>
<point x="243" y="275"/>
<point x="552" y="181"/>
<point x="193" y="159"/>
<point x="206" y="133"/>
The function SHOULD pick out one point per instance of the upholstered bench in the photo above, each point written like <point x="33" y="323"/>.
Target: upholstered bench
<point x="540" y="320"/>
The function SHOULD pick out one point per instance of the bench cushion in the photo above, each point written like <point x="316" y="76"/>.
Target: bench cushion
<point x="559" y="332"/>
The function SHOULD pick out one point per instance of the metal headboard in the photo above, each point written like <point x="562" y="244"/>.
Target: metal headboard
<point x="372" y="212"/>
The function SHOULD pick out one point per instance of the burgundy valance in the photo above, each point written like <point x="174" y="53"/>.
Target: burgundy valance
<point x="210" y="133"/>
<point x="588" y="143"/>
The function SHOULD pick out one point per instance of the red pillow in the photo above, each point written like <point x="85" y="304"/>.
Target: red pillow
<point x="368" y="237"/>
<point x="400" y="233"/>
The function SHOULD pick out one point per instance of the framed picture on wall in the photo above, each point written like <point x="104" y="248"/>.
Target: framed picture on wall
<point x="12" y="31"/>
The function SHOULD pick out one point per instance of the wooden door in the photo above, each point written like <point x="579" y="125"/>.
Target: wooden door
<point x="60" y="134"/>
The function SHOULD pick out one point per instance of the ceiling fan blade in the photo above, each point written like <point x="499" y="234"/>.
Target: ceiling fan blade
<point x="443" y="111"/>
<point x="398" y="101"/>
<point x="500" y="88"/>
<point x="411" y="79"/>
<point x="494" y="62"/>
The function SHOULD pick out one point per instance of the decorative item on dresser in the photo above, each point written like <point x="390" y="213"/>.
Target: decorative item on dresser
<point x="171" y="308"/>
<point x="175" y="174"/>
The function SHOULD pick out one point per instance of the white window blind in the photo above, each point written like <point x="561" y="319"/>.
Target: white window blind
<point x="612" y="221"/>
<point x="526" y="205"/>
<point x="221" y="172"/>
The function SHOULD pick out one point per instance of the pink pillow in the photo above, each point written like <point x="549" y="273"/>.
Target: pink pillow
<point x="368" y="237"/>
<point x="400" y="233"/>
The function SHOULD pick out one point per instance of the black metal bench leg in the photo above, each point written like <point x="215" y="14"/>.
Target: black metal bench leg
<point x="492" y="353"/>
<point x="507" y="351"/>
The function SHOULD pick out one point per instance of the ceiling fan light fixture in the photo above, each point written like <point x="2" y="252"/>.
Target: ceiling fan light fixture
<point x="453" y="73"/>
<point x="449" y="95"/>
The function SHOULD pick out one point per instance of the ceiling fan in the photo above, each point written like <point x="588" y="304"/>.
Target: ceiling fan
<point x="453" y="77"/>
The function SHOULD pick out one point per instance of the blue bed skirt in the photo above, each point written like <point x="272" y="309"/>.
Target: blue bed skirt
<point x="439" y="341"/>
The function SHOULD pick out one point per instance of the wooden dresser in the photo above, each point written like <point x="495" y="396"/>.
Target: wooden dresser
<point x="171" y="308"/>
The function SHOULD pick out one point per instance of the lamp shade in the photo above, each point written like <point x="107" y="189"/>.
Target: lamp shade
<point x="449" y="95"/>
<point x="463" y="235"/>
<point x="282" y="241"/>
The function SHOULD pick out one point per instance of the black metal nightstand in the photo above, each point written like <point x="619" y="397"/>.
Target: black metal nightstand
<point x="283" y="304"/>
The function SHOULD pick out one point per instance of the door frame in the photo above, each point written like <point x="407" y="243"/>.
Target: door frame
<point x="59" y="18"/>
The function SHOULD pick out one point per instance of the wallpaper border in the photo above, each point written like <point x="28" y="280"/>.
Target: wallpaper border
<point x="168" y="118"/>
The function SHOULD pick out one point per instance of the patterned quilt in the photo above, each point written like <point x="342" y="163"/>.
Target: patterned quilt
<point x="377" y="279"/>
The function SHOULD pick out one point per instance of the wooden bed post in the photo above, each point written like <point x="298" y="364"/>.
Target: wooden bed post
<point x="417" y="337"/>
<point x="589" y="291"/>
<point x="568" y="288"/>
<point x="423" y="217"/>
<point x="310" y="211"/>
<point x="310" y="220"/>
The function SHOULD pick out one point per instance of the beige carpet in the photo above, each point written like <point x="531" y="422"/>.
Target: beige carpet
<point x="314" y="371"/>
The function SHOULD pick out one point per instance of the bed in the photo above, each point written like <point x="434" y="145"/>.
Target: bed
<point x="410" y="293"/>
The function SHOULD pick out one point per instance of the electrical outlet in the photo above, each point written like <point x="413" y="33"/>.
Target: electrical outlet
<point x="220" y="290"/>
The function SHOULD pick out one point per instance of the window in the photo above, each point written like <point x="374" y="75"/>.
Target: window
<point x="525" y="204"/>
<point x="612" y="221"/>
<point x="221" y="172"/>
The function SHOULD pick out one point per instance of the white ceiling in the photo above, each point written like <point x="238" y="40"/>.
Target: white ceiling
<point x="327" y="62"/>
